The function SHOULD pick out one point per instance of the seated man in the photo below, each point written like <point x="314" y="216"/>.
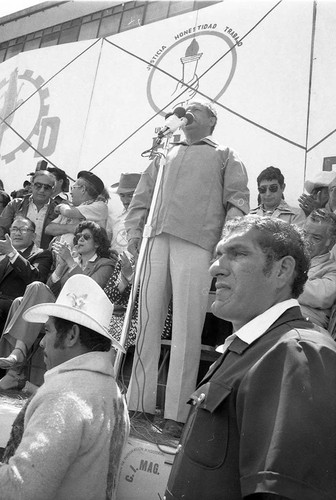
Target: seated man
<point x="262" y="421"/>
<point x="319" y="293"/>
<point x="21" y="263"/>
<point x="87" y="204"/>
<point x="271" y="187"/>
<point x="76" y="425"/>
<point x="38" y="207"/>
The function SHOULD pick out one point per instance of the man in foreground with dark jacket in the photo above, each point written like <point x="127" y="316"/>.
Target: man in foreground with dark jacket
<point x="263" y="420"/>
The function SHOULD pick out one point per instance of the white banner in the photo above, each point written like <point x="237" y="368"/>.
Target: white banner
<point x="267" y="65"/>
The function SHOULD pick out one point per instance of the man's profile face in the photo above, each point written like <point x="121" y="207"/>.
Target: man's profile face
<point x="53" y="350"/>
<point x="317" y="235"/>
<point x="42" y="189"/>
<point x="126" y="199"/>
<point x="58" y="186"/>
<point x="270" y="193"/>
<point x="243" y="290"/>
<point x="21" y="234"/>
<point x="77" y="192"/>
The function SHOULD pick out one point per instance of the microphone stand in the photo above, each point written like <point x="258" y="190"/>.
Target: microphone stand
<point x="147" y="233"/>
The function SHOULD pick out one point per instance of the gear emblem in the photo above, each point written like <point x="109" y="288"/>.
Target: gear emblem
<point x="22" y="91"/>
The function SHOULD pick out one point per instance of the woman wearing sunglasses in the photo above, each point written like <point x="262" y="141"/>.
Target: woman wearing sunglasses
<point x="91" y="257"/>
<point x="271" y="187"/>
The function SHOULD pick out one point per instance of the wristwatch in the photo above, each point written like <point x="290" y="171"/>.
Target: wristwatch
<point x="11" y="255"/>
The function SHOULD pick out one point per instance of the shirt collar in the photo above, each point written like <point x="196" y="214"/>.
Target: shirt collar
<point x="258" y="326"/>
<point x="61" y="195"/>
<point x="283" y="205"/>
<point x="93" y="258"/>
<point x="208" y="140"/>
<point x="32" y="247"/>
<point x="31" y="202"/>
<point x="321" y="259"/>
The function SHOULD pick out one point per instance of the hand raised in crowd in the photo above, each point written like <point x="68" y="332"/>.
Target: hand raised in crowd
<point x="126" y="266"/>
<point x="308" y="203"/>
<point x="62" y="251"/>
<point x="6" y="245"/>
<point x="134" y="246"/>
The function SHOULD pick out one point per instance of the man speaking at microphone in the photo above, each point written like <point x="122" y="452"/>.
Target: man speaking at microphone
<point x="204" y="184"/>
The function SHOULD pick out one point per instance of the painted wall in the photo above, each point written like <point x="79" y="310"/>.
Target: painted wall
<point x="96" y="104"/>
<point x="54" y="14"/>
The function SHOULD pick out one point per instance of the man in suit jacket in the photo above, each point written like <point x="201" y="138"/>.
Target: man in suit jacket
<point x="38" y="207"/>
<point x="21" y="263"/>
<point x="263" y="420"/>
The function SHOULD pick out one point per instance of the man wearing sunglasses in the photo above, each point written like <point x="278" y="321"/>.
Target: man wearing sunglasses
<point x="271" y="187"/>
<point x="21" y="263"/>
<point x="38" y="207"/>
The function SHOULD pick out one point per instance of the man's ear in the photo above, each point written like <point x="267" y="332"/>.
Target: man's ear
<point x="286" y="270"/>
<point x="212" y="120"/>
<point x="72" y="336"/>
<point x="329" y="243"/>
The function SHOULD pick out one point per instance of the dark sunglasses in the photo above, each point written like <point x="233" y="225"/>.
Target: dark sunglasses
<point x="86" y="237"/>
<point x="273" y="188"/>
<point x="40" y="185"/>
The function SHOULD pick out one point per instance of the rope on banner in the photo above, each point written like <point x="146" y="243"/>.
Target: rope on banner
<point x="91" y="96"/>
<point x="24" y="140"/>
<point x="321" y="140"/>
<point x="312" y="46"/>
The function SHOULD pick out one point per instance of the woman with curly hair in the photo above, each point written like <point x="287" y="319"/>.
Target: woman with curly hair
<point x="90" y="256"/>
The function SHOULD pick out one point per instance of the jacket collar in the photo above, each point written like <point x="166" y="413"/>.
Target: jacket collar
<point x="238" y="346"/>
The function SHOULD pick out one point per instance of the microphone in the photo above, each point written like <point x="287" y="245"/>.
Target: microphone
<point x="175" y="120"/>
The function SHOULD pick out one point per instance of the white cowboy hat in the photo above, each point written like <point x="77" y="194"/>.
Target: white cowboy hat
<point x="81" y="301"/>
<point x="322" y="179"/>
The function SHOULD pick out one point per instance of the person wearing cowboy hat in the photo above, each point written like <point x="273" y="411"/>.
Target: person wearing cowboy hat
<point x="318" y="192"/>
<point x="125" y="188"/>
<point x="76" y="425"/>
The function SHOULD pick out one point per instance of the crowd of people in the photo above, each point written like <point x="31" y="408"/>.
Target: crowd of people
<point x="260" y="425"/>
